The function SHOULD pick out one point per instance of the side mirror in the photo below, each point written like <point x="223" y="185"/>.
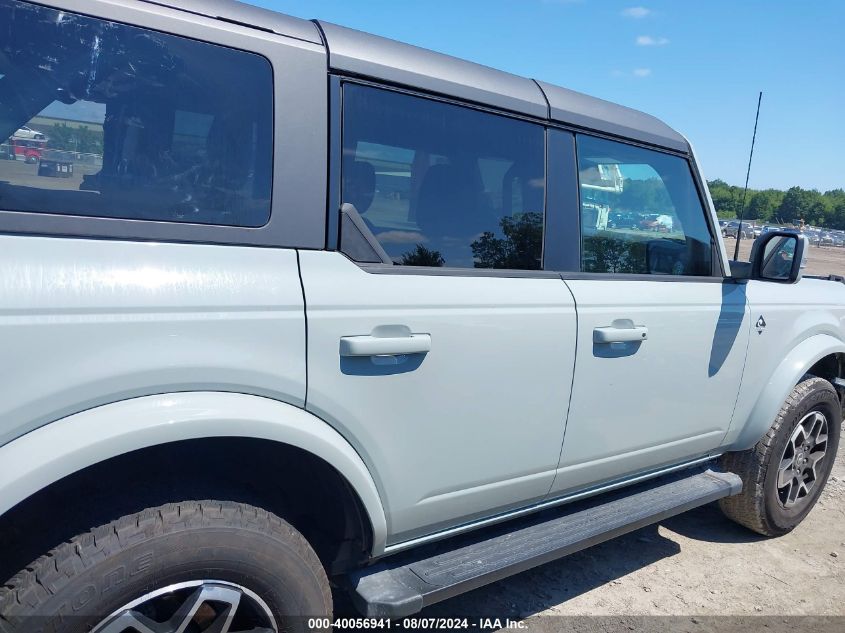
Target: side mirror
<point x="778" y="256"/>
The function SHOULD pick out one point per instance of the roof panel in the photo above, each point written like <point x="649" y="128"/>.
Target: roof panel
<point x="379" y="58"/>
<point x="249" y="15"/>
<point x="368" y="55"/>
<point x="575" y="108"/>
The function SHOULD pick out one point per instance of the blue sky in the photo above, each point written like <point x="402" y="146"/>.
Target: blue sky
<point x="696" y="64"/>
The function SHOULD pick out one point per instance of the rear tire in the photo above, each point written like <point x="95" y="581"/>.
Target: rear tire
<point x="161" y="559"/>
<point x="784" y="474"/>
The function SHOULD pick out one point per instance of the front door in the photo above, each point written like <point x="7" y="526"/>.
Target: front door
<point x="661" y="338"/>
<point x="448" y="367"/>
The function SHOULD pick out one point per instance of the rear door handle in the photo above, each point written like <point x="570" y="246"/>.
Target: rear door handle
<point x="385" y="345"/>
<point x="620" y="334"/>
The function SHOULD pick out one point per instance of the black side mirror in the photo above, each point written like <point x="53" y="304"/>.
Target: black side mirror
<point x="778" y="256"/>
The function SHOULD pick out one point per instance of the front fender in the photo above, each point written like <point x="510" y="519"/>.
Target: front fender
<point x="57" y="450"/>
<point x="795" y="364"/>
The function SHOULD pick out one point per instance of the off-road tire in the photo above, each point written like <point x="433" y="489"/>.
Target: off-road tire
<point x="76" y="585"/>
<point x="758" y="507"/>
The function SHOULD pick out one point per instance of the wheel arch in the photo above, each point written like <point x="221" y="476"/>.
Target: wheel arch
<point x="56" y="452"/>
<point x="822" y="355"/>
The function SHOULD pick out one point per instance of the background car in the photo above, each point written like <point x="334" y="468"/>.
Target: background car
<point x="28" y="132"/>
<point x="731" y="229"/>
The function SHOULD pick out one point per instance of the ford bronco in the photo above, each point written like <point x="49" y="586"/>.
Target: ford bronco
<point x="318" y="311"/>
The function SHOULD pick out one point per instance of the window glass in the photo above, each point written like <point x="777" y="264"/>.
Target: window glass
<point x="640" y="212"/>
<point x="443" y="185"/>
<point x="103" y="119"/>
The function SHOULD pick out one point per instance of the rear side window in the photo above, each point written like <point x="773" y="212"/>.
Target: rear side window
<point x="640" y="212"/>
<point x="108" y="120"/>
<point x="443" y="185"/>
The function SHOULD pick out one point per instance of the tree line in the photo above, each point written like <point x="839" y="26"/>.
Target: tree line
<point x="80" y="139"/>
<point x="781" y="207"/>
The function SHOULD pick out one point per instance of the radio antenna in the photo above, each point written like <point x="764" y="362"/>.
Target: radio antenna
<point x="747" y="175"/>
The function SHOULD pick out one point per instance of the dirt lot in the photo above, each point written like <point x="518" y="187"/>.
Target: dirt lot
<point x="695" y="564"/>
<point x="822" y="260"/>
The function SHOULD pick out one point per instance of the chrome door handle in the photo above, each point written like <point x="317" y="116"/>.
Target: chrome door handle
<point x="385" y="345"/>
<point x="617" y="334"/>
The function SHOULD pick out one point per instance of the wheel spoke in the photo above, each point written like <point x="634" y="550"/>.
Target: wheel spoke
<point x="223" y="622"/>
<point x="133" y="621"/>
<point x="794" y="491"/>
<point x="799" y="436"/>
<point x="207" y="593"/>
<point x="785" y="473"/>
<point x="813" y="460"/>
<point x="788" y="492"/>
<point x="818" y="423"/>
<point x="802" y="486"/>
<point x="206" y="606"/>
<point x="186" y="612"/>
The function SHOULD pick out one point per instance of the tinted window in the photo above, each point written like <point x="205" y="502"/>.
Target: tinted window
<point x="443" y="185"/>
<point x="640" y="212"/>
<point x="108" y="120"/>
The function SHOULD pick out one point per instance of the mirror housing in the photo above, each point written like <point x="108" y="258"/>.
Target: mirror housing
<point x="777" y="256"/>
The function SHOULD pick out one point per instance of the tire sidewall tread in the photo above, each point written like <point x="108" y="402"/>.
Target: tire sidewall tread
<point x="757" y="506"/>
<point x="160" y="546"/>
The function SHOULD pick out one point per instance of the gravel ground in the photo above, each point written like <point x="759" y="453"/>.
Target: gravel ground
<point x="695" y="564"/>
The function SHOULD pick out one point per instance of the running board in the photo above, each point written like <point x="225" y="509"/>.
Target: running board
<point x="405" y="583"/>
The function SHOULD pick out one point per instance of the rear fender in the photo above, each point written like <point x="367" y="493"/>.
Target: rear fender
<point x="54" y="451"/>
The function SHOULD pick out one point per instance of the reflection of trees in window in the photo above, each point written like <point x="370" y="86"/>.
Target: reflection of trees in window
<point x="422" y="256"/>
<point x="521" y="247"/>
<point x="645" y="195"/>
<point x="608" y="254"/>
<point x="75" y="139"/>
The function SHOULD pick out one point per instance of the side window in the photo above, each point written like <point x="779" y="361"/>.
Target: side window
<point x="640" y="212"/>
<point x="443" y="185"/>
<point x="108" y="120"/>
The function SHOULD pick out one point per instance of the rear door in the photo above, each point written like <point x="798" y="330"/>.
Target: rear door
<point x="662" y="337"/>
<point x="449" y="366"/>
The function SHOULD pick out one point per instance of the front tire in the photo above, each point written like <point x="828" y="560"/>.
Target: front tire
<point x="784" y="474"/>
<point x="207" y="562"/>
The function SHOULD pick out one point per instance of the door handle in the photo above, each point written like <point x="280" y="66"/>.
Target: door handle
<point x="385" y="345"/>
<point x="620" y="333"/>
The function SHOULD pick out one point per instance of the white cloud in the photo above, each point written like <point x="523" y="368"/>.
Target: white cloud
<point x="636" y="12"/>
<point x="648" y="40"/>
<point x="635" y="73"/>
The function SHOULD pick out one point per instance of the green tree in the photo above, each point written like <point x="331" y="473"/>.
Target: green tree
<point x="80" y="139"/>
<point x="520" y="248"/>
<point x="764" y="205"/>
<point x="795" y="206"/>
<point x="421" y="256"/>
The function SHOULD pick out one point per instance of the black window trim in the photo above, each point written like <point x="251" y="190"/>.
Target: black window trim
<point x="555" y="200"/>
<point x="717" y="274"/>
<point x="288" y="224"/>
<point x="334" y="189"/>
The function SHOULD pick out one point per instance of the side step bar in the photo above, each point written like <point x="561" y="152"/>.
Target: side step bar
<point x="404" y="584"/>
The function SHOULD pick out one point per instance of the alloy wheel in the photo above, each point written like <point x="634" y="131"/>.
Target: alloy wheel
<point x="202" y="606"/>
<point x="798" y="472"/>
